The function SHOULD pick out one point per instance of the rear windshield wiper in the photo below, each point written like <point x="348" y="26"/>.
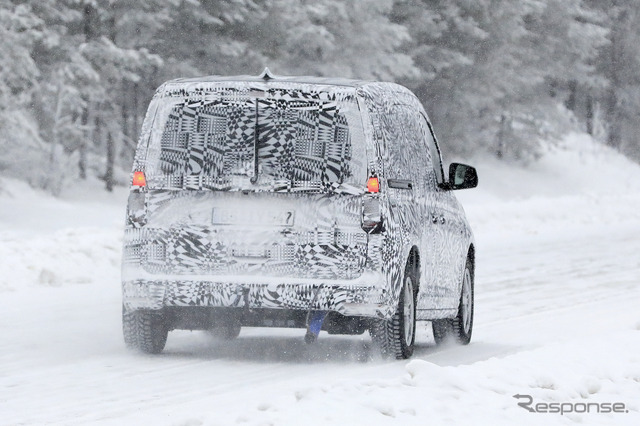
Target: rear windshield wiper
<point x="256" y="139"/>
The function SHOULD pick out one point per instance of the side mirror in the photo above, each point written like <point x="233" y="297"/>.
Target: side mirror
<point x="462" y="176"/>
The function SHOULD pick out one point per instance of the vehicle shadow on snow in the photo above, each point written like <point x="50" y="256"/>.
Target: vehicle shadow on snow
<point x="275" y="346"/>
<point x="289" y="346"/>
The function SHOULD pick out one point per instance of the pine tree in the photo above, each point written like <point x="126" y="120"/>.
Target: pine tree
<point x="20" y="30"/>
<point x="618" y="63"/>
<point x="353" y="39"/>
<point x="486" y="86"/>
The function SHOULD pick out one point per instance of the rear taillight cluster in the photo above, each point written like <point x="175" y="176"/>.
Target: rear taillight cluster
<point x="373" y="184"/>
<point x="371" y="215"/>
<point x="136" y="206"/>
<point x="139" y="180"/>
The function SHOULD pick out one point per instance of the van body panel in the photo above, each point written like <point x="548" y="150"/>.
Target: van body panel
<point x="267" y="234"/>
<point x="257" y="194"/>
<point x="426" y="217"/>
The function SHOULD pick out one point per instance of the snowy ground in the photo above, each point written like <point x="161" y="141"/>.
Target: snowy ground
<point x="557" y="318"/>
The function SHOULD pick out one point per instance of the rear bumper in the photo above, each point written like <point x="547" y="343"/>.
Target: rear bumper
<point x="365" y="296"/>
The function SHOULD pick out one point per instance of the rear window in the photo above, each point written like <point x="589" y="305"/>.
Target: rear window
<point x="293" y="140"/>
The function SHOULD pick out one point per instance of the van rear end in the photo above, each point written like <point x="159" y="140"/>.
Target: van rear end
<point x="249" y="196"/>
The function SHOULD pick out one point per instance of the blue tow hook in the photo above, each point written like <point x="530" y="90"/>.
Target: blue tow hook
<point x="314" y="325"/>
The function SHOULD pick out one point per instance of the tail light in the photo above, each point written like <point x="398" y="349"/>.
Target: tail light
<point x="371" y="216"/>
<point x="139" y="179"/>
<point x="136" y="205"/>
<point x="373" y="184"/>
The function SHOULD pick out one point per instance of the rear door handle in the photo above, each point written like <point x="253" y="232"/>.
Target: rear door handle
<point x="400" y="184"/>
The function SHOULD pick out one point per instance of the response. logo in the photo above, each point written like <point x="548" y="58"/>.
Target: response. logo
<point x="570" y="407"/>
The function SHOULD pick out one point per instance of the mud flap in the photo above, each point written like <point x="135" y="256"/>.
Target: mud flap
<point x="314" y="325"/>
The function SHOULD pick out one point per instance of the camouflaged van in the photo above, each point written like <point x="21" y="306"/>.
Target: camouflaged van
<point x="294" y="202"/>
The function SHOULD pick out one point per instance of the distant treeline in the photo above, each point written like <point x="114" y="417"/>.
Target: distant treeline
<point x="504" y="76"/>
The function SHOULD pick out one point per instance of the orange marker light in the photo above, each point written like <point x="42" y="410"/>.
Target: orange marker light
<point x="373" y="185"/>
<point x="139" y="179"/>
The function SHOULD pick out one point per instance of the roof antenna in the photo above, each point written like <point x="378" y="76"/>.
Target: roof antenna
<point x="266" y="75"/>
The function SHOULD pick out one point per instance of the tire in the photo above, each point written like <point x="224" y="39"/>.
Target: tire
<point x="225" y="332"/>
<point x="144" y="330"/>
<point x="460" y="327"/>
<point x="395" y="337"/>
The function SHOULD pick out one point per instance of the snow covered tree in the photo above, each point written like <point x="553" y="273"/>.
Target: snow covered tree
<point x="618" y="63"/>
<point x="209" y="37"/>
<point x="486" y="65"/>
<point x="353" y="39"/>
<point x="20" y="30"/>
<point x="444" y="44"/>
<point x="76" y="75"/>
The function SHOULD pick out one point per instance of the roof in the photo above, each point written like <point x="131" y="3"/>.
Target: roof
<point x="267" y="77"/>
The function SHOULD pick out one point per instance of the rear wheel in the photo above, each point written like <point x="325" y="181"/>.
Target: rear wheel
<point x="395" y="337"/>
<point x="144" y="330"/>
<point x="460" y="327"/>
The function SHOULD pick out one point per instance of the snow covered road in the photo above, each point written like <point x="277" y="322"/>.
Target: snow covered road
<point x="557" y="318"/>
<point x="62" y="359"/>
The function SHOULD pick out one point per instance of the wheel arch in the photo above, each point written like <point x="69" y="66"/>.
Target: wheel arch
<point x="471" y="257"/>
<point x="414" y="261"/>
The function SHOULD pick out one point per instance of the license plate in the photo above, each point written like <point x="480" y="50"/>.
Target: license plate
<point x="234" y="217"/>
<point x="250" y="252"/>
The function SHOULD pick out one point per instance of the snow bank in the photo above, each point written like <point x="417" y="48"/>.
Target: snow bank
<point x="576" y="166"/>
<point x="54" y="242"/>
<point x="70" y="256"/>
<point x="480" y="393"/>
<point x="577" y="184"/>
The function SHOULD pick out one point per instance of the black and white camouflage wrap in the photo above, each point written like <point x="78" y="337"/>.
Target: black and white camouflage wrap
<point x="208" y="231"/>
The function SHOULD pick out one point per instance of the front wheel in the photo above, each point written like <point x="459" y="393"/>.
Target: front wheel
<point x="395" y="337"/>
<point x="144" y="330"/>
<point x="461" y="326"/>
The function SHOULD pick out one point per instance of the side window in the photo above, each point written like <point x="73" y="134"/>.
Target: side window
<point x="436" y="159"/>
<point x="398" y="157"/>
<point x="423" y="171"/>
<point x="408" y="157"/>
<point x="411" y="149"/>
